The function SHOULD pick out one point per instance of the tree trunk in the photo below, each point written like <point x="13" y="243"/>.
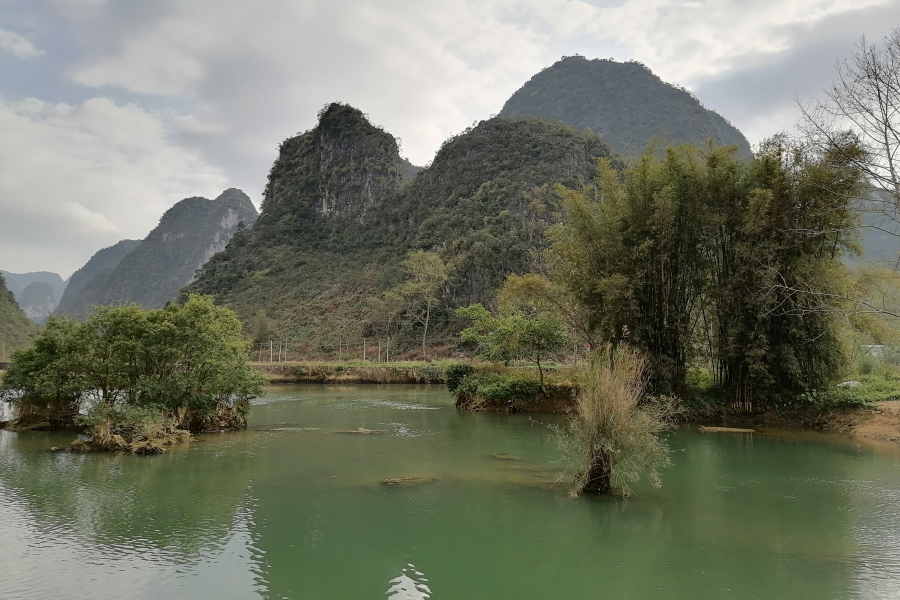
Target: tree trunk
<point x="541" y="375"/>
<point x="598" y="479"/>
<point x="425" y="333"/>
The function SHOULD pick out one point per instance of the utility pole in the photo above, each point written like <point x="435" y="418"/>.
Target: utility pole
<point x="271" y="350"/>
<point x="364" y="349"/>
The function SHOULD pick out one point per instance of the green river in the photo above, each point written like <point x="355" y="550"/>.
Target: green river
<point x="291" y="508"/>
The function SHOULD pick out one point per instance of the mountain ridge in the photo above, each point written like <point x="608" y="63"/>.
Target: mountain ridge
<point x="327" y="241"/>
<point x="152" y="273"/>
<point x="624" y="102"/>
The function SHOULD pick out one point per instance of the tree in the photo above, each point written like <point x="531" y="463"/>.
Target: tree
<point x="630" y="252"/>
<point x="512" y="334"/>
<point x="425" y="275"/>
<point x="261" y="327"/>
<point x="613" y="437"/>
<point x="182" y="364"/>
<point x="861" y="111"/>
<point x="701" y="252"/>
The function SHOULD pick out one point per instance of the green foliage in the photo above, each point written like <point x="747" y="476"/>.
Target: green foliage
<point x="866" y="364"/>
<point x="15" y="328"/>
<point x="513" y="334"/>
<point x="425" y="274"/>
<point x="624" y="102"/>
<point x="701" y="254"/>
<point x="187" y="361"/>
<point x="491" y="386"/>
<point x="455" y="374"/>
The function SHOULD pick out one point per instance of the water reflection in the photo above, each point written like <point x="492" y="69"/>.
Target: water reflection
<point x="410" y="584"/>
<point x="289" y="509"/>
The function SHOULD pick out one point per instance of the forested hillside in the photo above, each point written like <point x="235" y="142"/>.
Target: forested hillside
<point x="102" y="260"/>
<point x="14" y="325"/>
<point x="187" y="236"/>
<point x="339" y="216"/>
<point x="624" y="103"/>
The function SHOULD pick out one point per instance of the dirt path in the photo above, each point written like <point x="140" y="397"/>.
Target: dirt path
<point x="882" y="423"/>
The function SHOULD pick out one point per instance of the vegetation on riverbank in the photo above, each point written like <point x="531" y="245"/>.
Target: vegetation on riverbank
<point x="494" y="388"/>
<point x="353" y="372"/>
<point x="136" y="379"/>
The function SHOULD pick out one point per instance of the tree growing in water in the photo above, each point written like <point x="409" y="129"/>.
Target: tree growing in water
<point x="182" y="367"/>
<point x="613" y="435"/>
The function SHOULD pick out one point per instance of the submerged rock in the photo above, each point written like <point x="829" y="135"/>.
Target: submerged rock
<point x="503" y="456"/>
<point x="725" y="430"/>
<point x="364" y="431"/>
<point x="407" y="480"/>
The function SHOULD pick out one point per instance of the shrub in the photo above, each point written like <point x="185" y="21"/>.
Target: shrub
<point x="613" y="436"/>
<point x="507" y="387"/>
<point x="455" y="373"/>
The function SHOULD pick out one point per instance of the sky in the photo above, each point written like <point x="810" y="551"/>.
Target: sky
<point x="111" y="111"/>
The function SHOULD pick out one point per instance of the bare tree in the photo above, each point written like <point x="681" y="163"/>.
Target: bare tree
<point x="859" y="115"/>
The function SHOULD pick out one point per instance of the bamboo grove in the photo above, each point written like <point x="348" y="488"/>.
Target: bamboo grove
<point x="698" y="256"/>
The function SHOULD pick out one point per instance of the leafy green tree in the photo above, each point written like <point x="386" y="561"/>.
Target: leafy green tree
<point x="535" y="336"/>
<point x="425" y="275"/>
<point x="186" y="362"/>
<point x="703" y="252"/>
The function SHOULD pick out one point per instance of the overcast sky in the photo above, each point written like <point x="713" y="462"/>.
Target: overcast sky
<point x="113" y="110"/>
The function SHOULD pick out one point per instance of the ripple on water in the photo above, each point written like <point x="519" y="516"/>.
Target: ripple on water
<point x="410" y="584"/>
<point x="402" y="430"/>
<point x="367" y="404"/>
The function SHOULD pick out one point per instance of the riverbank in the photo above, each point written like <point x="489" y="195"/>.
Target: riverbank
<point x="880" y="423"/>
<point x="313" y="372"/>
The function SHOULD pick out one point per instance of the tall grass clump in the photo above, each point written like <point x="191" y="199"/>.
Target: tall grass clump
<point x="614" y="432"/>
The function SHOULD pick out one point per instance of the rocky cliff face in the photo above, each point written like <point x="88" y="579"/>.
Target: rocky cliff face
<point x="342" y="167"/>
<point x="624" y="103"/>
<point x="154" y="271"/>
<point x="104" y="260"/>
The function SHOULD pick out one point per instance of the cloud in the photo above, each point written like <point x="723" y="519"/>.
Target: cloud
<point x="210" y="87"/>
<point x="19" y="46"/>
<point x="422" y="69"/>
<point x="76" y="178"/>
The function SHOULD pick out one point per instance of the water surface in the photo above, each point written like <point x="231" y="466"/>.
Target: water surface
<point x="292" y="508"/>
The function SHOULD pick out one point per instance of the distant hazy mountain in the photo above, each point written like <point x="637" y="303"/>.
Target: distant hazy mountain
<point x="14" y="325"/>
<point x="37" y="301"/>
<point x="624" y="103"/>
<point x="103" y="260"/>
<point x="152" y="273"/>
<point x="17" y="282"/>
